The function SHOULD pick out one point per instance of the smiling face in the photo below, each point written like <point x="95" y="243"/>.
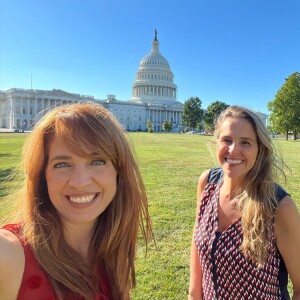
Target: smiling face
<point x="80" y="188"/>
<point x="237" y="147"/>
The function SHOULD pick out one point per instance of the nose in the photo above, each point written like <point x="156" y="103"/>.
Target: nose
<point x="233" y="148"/>
<point x="80" y="178"/>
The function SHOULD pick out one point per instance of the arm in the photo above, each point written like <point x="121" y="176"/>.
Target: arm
<point x="12" y="263"/>
<point x="195" y="290"/>
<point x="287" y="228"/>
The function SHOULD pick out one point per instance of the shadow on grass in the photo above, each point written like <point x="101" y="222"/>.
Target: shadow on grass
<point x="7" y="176"/>
<point x="6" y="154"/>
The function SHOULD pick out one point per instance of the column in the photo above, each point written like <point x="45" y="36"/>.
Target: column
<point x="35" y="107"/>
<point x="28" y="106"/>
<point x="12" y="113"/>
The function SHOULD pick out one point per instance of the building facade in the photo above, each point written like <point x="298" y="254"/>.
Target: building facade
<point x="154" y="97"/>
<point x="21" y="108"/>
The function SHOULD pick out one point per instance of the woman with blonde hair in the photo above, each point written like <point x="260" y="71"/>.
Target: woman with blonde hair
<point x="246" y="239"/>
<point x="80" y="210"/>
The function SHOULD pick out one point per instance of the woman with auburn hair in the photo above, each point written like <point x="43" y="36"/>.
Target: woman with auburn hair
<point x="246" y="239"/>
<point x="79" y="213"/>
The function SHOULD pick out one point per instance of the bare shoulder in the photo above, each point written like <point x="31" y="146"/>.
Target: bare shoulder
<point x="201" y="185"/>
<point x="9" y="245"/>
<point x="203" y="180"/>
<point x="12" y="262"/>
<point x="287" y="220"/>
<point x="287" y="213"/>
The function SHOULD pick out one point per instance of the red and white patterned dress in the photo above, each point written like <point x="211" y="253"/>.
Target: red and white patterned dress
<point x="226" y="273"/>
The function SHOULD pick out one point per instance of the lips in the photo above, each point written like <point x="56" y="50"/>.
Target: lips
<point x="82" y="199"/>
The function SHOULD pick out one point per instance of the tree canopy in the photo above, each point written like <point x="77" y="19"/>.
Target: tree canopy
<point x="192" y="112"/>
<point x="167" y="125"/>
<point x="149" y="126"/>
<point x="213" y="111"/>
<point x="285" y="108"/>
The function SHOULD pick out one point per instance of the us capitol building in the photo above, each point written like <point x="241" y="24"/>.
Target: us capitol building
<point x="154" y="97"/>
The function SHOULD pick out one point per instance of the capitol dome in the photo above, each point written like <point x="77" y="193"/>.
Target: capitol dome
<point x="154" y="79"/>
<point x="154" y="59"/>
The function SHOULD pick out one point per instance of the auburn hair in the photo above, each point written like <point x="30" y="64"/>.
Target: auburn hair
<point x="85" y="128"/>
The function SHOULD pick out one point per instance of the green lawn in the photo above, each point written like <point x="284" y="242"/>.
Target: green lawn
<point x="170" y="165"/>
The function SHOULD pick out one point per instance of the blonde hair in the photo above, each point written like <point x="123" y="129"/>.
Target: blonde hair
<point x="257" y="200"/>
<point x="85" y="128"/>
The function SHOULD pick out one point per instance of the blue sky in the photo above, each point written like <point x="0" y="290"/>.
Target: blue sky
<point x="235" y="51"/>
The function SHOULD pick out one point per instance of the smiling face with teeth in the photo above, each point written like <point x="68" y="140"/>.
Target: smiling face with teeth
<point x="80" y="188"/>
<point x="237" y="147"/>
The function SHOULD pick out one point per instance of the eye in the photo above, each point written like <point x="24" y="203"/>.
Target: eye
<point x="226" y="141"/>
<point x="98" y="162"/>
<point x="61" y="165"/>
<point x="246" y="143"/>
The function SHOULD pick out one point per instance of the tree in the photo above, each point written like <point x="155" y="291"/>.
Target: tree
<point x="285" y="108"/>
<point x="149" y="126"/>
<point x="192" y="113"/>
<point x="213" y="111"/>
<point x="200" y="126"/>
<point x="167" y="126"/>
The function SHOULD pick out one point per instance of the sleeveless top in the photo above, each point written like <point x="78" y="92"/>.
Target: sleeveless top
<point x="226" y="273"/>
<point x="35" y="284"/>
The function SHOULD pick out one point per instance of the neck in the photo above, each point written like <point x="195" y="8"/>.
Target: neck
<point x="230" y="189"/>
<point x="78" y="236"/>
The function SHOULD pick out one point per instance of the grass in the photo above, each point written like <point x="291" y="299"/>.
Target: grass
<point x="170" y="165"/>
<point x="10" y="157"/>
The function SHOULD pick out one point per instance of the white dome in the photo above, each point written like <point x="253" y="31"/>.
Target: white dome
<point x="154" y="59"/>
<point x="154" y="78"/>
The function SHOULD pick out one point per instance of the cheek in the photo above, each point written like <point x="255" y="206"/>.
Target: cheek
<point x="53" y="184"/>
<point x="254" y="154"/>
<point x="108" y="179"/>
<point x="221" y="149"/>
<point x="113" y="182"/>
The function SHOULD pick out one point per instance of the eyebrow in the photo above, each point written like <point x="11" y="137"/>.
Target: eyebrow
<point x="59" y="157"/>
<point x="241" y="138"/>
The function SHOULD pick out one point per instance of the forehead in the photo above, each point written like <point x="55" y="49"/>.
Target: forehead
<point x="237" y="127"/>
<point x="57" y="146"/>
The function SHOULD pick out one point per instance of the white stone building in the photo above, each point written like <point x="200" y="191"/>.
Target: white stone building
<point x="154" y="97"/>
<point x="20" y="108"/>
